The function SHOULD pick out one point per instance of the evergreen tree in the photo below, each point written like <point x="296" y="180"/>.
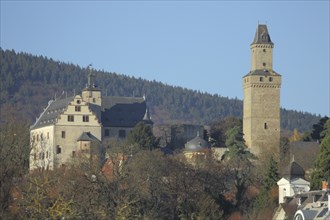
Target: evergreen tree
<point x="239" y="161"/>
<point x="237" y="150"/>
<point x="317" y="132"/>
<point x="322" y="164"/>
<point x="142" y="137"/>
<point x="266" y="200"/>
<point x="271" y="177"/>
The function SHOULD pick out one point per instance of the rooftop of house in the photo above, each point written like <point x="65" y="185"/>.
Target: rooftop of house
<point x="313" y="204"/>
<point x="122" y="111"/>
<point x="293" y="171"/>
<point x="51" y="112"/>
<point x="115" y="111"/>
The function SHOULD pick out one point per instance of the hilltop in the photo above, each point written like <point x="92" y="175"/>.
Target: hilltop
<point x="28" y="82"/>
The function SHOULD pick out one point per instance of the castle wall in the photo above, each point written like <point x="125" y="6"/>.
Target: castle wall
<point x="42" y="148"/>
<point x="261" y="121"/>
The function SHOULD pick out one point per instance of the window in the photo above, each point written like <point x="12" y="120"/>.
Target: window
<point x="37" y="137"/>
<point x="58" y="149"/>
<point x="106" y="132"/>
<point x="265" y="126"/>
<point x="264" y="50"/>
<point x="70" y="118"/>
<point x="47" y="135"/>
<point x="73" y="154"/>
<point x="94" y="100"/>
<point x="122" y="133"/>
<point x="63" y="134"/>
<point x="85" y="118"/>
<point x="264" y="64"/>
<point x="270" y="79"/>
<point x="78" y="101"/>
<point x="47" y="154"/>
<point x="42" y="137"/>
<point x="77" y="108"/>
<point x="261" y="79"/>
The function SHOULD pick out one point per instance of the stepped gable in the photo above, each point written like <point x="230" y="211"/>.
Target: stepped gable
<point x="294" y="171"/>
<point x="197" y="144"/>
<point x="122" y="111"/>
<point x="51" y="112"/>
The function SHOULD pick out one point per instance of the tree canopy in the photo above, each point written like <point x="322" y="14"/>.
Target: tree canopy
<point x="321" y="170"/>
<point x="142" y="137"/>
<point x="28" y="82"/>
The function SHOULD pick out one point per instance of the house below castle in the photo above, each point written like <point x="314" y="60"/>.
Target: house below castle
<point x="296" y="201"/>
<point x="76" y="126"/>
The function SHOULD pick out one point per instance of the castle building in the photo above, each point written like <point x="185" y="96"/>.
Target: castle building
<point x="261" y="105"/>
<point x="75" y="126"/>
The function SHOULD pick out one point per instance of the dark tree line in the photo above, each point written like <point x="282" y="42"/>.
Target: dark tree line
<point x="28" y="82"/>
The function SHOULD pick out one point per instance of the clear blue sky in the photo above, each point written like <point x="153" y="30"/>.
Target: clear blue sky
<point x="200" y="45"/>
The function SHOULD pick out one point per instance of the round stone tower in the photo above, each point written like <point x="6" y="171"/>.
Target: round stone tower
<point x="261" y="105"/>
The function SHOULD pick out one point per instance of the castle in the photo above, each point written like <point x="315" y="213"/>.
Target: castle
<point x="79" y="125"/>
<point x="75" y="126"/>
<point x="261" y="105"/>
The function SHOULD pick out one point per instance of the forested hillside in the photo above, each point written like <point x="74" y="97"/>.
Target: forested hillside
<point x="28" y="82"/>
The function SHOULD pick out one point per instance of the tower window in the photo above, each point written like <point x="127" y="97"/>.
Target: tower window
<point x="264" y="50"/>
<point x="63" y="134"/>
<point x="261" y="79"/>
<point x="265" y="125"/>
<point x="77" y="108"/>
<point x="270" y="79"/>
<point x="58" y="149"/>
<point x="264" y="64"/>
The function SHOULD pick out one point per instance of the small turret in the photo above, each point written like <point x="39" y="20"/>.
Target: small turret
<point x="91" y="93"/>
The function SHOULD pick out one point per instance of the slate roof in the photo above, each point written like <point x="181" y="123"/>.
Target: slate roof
<point x="115" y="111"/>
<point x="196" y="144"/>
<point x="122" y="111"/>
<point x="87" y="136"/>
<point x="313" y="205"/>
<point x="262" y="72"/>
<point x="293" y="171"/>
<point x="262" y="35"/>
<point x="51" y="112"/>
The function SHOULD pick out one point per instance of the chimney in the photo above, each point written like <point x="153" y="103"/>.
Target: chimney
<point x="324" y="186"/>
